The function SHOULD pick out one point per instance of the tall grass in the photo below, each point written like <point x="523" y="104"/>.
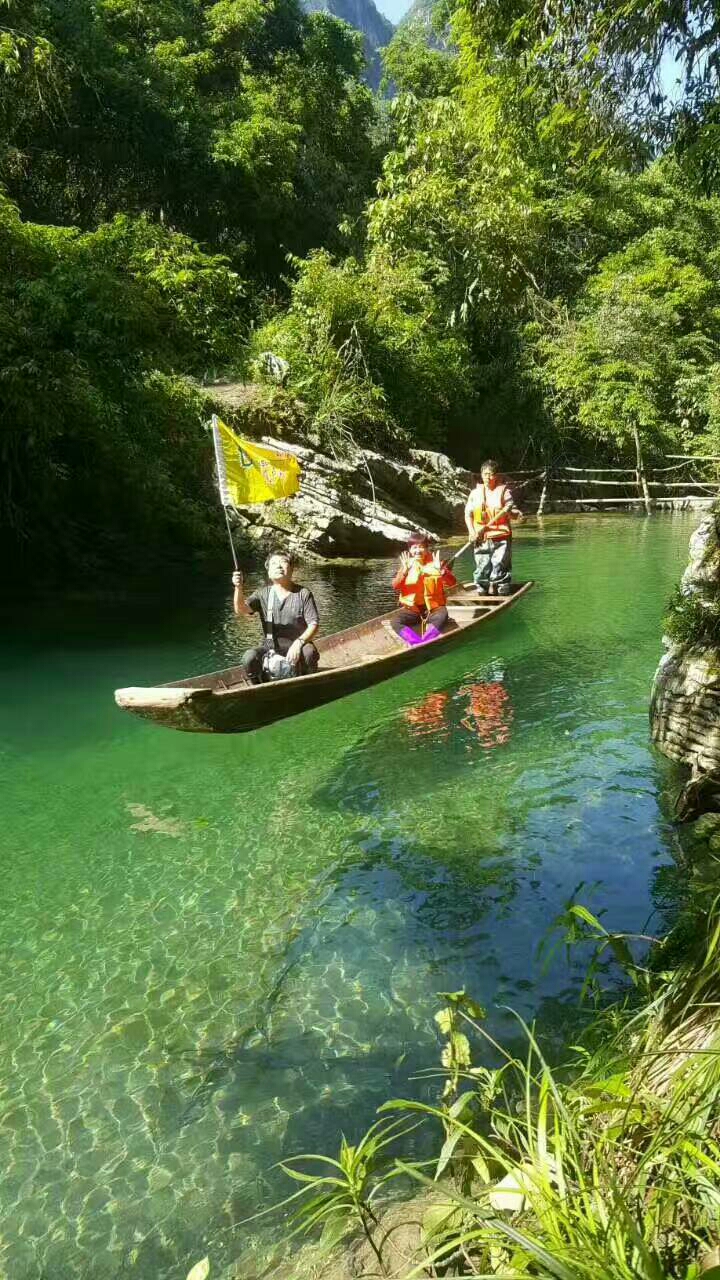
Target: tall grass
<point x="605" y="1169"/>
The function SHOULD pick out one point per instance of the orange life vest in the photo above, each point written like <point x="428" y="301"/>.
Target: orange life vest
<point x="424" y="587"/>
<point x="487" y="504"/>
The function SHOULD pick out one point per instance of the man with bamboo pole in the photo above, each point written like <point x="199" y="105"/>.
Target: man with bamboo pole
<point x="488" y="513"/>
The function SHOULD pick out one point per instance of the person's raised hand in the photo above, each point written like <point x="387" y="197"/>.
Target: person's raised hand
<point x="237" y="578"/>
<point x="404" y="560"/>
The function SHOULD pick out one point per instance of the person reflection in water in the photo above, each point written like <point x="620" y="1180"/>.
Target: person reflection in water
<point x="289" y="618"/>
<point x="428" y="718"/>
<point x="489" y="713"/>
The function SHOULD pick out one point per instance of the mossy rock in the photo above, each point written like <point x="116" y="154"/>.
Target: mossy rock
<point x="705" y="830"/>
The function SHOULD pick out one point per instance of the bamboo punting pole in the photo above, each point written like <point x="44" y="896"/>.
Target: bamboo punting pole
<point x="543" y="493"/>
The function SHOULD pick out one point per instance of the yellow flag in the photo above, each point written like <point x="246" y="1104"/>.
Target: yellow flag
<point x="250" y="472"/>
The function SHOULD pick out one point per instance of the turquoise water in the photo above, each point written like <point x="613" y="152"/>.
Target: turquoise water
<point x="219" y="951"/>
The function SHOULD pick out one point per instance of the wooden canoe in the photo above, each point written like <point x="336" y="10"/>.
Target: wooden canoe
<point x="360" y="656"/>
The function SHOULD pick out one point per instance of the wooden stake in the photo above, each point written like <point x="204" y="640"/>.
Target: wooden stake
<point x="641" y="481"/>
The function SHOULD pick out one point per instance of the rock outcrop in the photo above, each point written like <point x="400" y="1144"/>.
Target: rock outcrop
<point x="364" y="507"/>
<point x="685" y="702"/>
<point x="376" y="30"/>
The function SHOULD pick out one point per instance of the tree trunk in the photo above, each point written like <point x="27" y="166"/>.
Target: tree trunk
<point x="640" y="472"/>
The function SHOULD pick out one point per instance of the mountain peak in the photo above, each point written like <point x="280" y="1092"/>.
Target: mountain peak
<point x="376" y="30"/>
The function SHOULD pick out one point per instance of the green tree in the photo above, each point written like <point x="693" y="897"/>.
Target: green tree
<point x="102" y="452"/>
<point x="491" y="204"/>
<point x="243" y="124"/>
<point x="640" y="352"/>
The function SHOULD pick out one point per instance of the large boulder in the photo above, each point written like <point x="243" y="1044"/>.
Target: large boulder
<point x="362" y="507"/>
<point x="685" y="707"/>
<point x="702" y="576"/>
<point x="685" y="700"/>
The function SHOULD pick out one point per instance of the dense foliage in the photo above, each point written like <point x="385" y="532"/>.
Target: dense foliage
<point x="159" y="159"/>
<point x="189" y="185"/>
<point x="642" y="347"/>
<point x="533" y="281"/>
<point x="101" y="445"/>
<point x="243" y="124"/>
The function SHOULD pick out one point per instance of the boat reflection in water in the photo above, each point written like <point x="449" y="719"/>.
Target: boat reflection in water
<point x="485" y="714"/>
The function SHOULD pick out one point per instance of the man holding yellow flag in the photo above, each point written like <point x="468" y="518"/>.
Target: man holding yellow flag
<point x="247" y="473"/>
<point x="289" y="618"/>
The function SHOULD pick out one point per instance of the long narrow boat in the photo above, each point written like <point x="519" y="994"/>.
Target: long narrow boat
<point x="360" y="656"/>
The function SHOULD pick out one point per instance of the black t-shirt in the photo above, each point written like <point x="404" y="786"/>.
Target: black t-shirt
<point x="289" y="617"/>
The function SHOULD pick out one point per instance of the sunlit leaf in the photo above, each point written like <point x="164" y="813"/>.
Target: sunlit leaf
<point x="200" y="1271"/>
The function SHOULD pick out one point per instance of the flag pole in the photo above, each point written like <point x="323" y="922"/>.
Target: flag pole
<point x="230" y="540"/>
<point x="223" y="485"/>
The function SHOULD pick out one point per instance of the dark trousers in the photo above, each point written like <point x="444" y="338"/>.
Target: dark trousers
<point x="252" y="662"/>
<point x="412" y="618"/>
<point x="493" y="564"/>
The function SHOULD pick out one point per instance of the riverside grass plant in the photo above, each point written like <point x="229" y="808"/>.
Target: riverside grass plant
<point x="607" y="1168"/>
<point x="693" y="622"/>
<point x="339" y="1195"/>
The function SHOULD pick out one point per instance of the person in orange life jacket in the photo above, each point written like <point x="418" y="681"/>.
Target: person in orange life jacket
<point x="488" y="512"/>
<point x="420" y="582"/>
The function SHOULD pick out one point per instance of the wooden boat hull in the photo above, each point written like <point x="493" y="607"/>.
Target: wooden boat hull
<point x="225" y="702"/>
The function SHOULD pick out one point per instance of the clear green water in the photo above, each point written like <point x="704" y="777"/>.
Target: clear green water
<point x="218" y="951"/>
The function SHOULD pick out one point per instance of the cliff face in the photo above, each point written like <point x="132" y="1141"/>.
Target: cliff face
<point x="367" y="507"/>
<point x="363" y="505"/>
<point x="685" y="702"/>
<point x="376" y="30"/>
<point x="419" y="21"/>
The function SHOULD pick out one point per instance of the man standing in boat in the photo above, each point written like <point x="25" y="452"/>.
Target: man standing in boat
<point x="488" y="512"/>
<point x="289" y="619"/>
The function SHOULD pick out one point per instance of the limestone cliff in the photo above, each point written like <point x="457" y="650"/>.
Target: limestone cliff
<point x="376" y="30"/>
<point x="364" y="507"/>
<point x="362" y="504"/>
<point x="685" y="702"/>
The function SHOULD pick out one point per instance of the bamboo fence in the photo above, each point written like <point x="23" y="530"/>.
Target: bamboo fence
<point x="684" y="480"/>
